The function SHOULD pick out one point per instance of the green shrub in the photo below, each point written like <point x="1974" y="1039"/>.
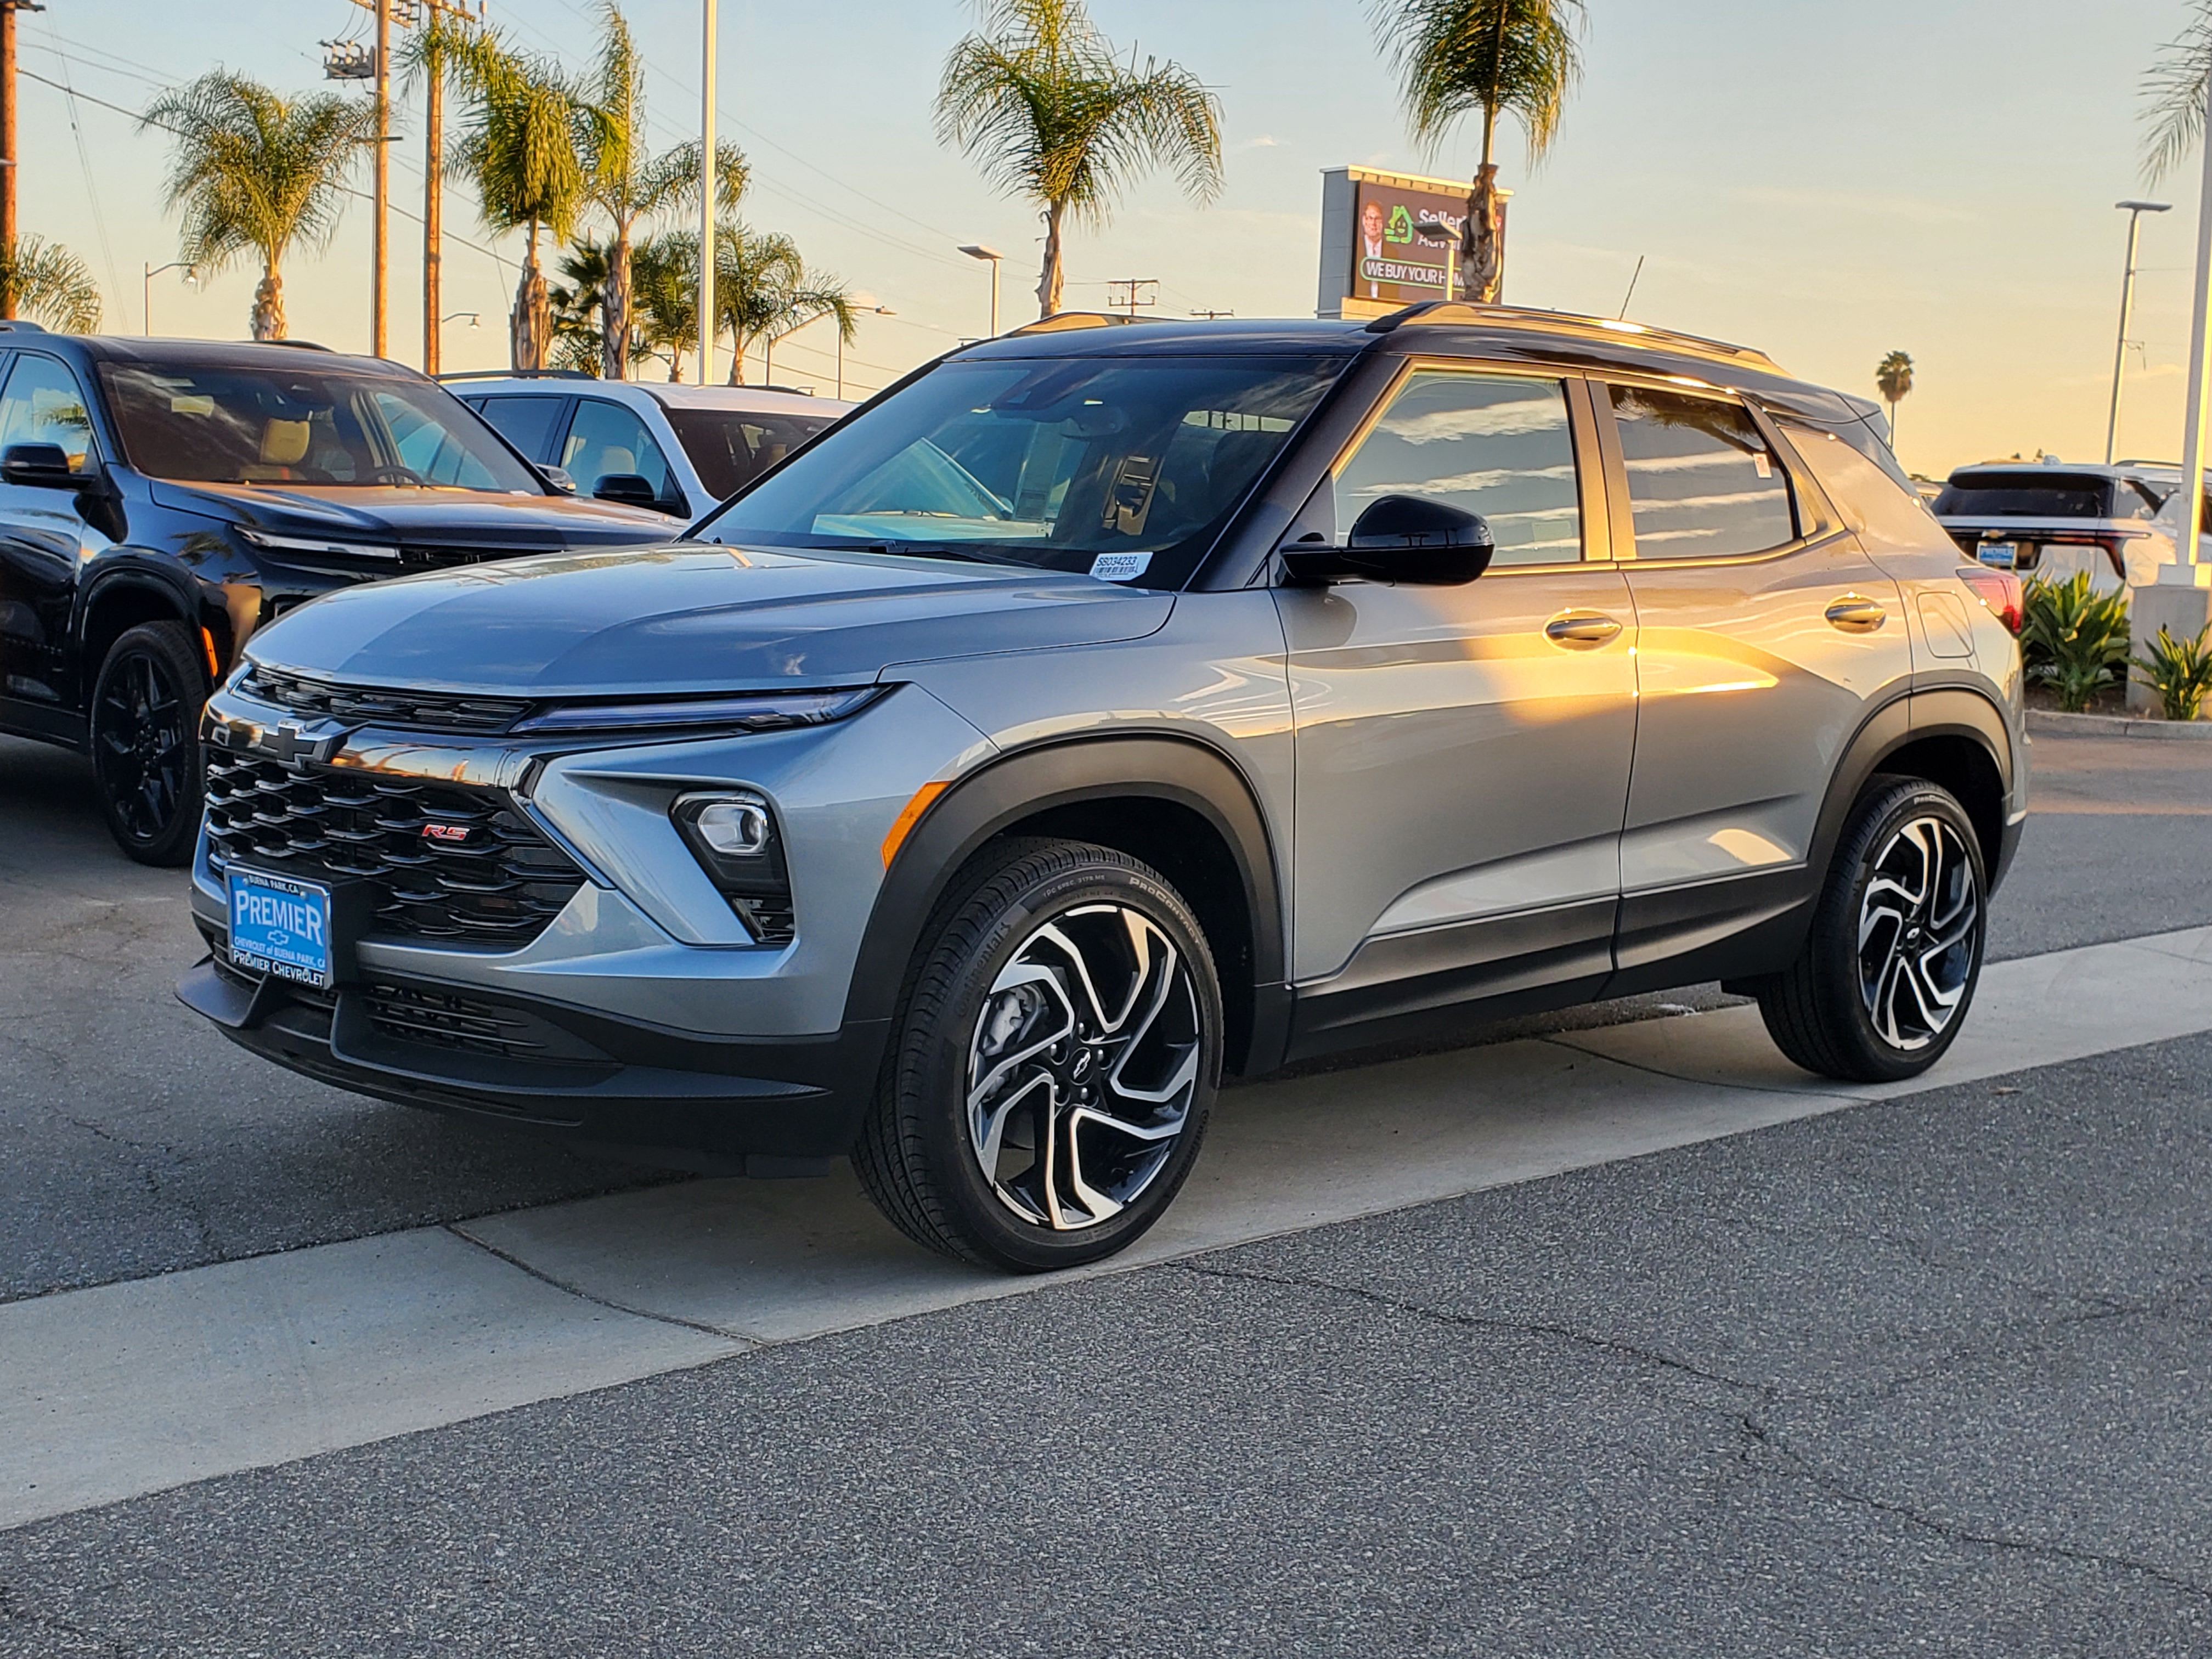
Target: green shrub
<point x="2180" y="671"/>
<point x="2074" y="641"/>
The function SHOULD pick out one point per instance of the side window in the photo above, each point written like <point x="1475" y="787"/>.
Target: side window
<point x="427" y="450"/>
<point x="43" y="404"/>
<point x="1495" y="444"/>
<point x="606" y="438"/>
<point x="1701" y="479"/>
<point x="525" y="422"/>
<point x="1869" y="500"/>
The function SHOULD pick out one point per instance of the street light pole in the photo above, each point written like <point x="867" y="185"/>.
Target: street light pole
<point x="146" y="311"/>
<point x="378" y="327"/>
<point x="2193" y="443"/>
<point x="977" y="251"/>
<point x="706" y="193"/>
<point x="2136" y="211"/>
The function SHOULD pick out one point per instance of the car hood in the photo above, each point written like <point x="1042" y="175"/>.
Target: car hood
<point x="692" y="616"/>
<point x="442" y="518"/>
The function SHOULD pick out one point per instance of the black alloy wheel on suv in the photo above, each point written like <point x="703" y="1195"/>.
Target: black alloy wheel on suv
<point x="145" y="741"/>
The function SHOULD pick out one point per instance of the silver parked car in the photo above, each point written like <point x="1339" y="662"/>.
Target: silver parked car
<point x="2047" y="519"/>
<point x="1112" y="706"/>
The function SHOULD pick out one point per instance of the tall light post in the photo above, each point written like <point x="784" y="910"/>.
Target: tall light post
<point x="2134" y="212"/>
<point x="873" y="310"/>
<point x="152" y="272"/>
<point x="977" y="251"/>
<point x="2193" y="434"/>
<point x="706" y="193"/>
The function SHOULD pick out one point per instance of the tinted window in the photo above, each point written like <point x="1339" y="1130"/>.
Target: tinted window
<point x="1870" y="500"/>
<point x="525" y="422"/>
<point x="730" y="448"/>
<point x="43" y="404"/>
<point x="605" y="439"/>
<point x="2036" y="495"/>
<point x="1054" y="462"/>
<point x="1493" y="446"/>
<point x="1701" y="479"/>
<point x="306" y="425"/>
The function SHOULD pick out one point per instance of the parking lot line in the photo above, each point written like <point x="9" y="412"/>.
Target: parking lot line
<point x="115" y="1391"/>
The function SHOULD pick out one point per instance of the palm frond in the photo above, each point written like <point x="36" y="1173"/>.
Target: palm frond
<point x="47" y="282"/>
<point x="2173" y="94"/>
<point x="1459" y="57"/>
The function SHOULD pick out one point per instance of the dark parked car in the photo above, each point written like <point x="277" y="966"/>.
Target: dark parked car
<point x="161" y="499"/>
<point x="1110" y="706"/>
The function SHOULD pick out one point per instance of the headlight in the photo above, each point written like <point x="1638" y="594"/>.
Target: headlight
<point x="732" y="834"/>
<point x="765" y="711"/>
<point x="320" y="545"/>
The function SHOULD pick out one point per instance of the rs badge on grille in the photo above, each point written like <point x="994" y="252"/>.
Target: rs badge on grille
<point x="453" y="834"/>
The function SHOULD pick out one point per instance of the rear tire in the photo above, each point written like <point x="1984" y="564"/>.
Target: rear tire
<point x="1889" y="968"/>
<point x="146" y="756"/>
<point x="1053" y="1066"/>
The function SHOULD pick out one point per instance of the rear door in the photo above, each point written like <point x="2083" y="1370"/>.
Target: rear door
<point x="1463" y="752"/>
<point x="1766" y="637"/>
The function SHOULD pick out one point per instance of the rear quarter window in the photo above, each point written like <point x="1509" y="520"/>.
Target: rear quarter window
<point x="1871" y="501"/>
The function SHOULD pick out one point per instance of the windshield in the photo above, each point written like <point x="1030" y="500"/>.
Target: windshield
<point x="1124" y="467"/>
<point x="732" y="447"/>
<point x="305" y="425"/>
<point x="2026" y="495"/>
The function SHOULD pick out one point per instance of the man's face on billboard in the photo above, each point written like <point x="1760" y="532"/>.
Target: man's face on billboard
<point x="1370" y="220"/>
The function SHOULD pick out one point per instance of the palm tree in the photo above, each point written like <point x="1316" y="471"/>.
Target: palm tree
<point x="50" y="284"/>
<point x="1892" y="377"/>
<point x="519" y="152"/>
<point x="663" y="275"/>
<point x="1039" y="101"/>
<point x="254" y="172"/>
<point x="763" y="290"/>
<point x="2173" y="93"/>
<point x="1495" y="57"/>
<point x="577" y="304"/>
<point x="625" y="181"/>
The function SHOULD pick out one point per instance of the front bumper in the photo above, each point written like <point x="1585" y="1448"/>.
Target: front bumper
<point x="753" y="1105"/>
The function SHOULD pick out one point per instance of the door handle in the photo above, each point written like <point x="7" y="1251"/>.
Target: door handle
<point x="1580" y="627"/>
<point x="1855" y="614"/>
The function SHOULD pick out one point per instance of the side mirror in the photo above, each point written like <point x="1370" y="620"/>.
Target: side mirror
<point x="42" y="466"/>
<point x="626" y="489"/>
<point x="558" y="477"/>
<point x="1399" y="538"/>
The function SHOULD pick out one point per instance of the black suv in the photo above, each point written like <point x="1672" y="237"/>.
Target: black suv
<point x="161" y="499"/>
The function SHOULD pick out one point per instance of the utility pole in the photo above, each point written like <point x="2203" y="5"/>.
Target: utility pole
<point x="434" y="194"/>
<point x="379" y="303"/>
<point x="1136" y="295"/>
<point x="8" y="157"/>
<point x="706" y="193"/>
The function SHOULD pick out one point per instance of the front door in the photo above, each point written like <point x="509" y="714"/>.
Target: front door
<point x="1767" y="638"/>
<point x="1463" y="752"/>
<point x="44" y="541"/>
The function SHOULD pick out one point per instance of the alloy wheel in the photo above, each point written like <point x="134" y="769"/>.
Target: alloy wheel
<point x="141" y="744"/>
<point x="1919" y="929"/>
<point x="1083" y="1067"/>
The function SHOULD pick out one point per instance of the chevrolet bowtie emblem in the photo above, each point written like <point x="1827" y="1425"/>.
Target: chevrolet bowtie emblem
<point x="290" y="741"/>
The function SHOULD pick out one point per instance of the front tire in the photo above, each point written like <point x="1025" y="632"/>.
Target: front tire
<point x="1890" y="966"/>
<point x="1055" y="1066"/>
<point x="145" y="741"/>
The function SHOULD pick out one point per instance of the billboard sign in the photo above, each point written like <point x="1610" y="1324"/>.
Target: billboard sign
<point x="1392" y="239"/>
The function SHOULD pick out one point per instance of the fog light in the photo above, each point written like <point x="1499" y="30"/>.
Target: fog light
<point x="735" y="828"/>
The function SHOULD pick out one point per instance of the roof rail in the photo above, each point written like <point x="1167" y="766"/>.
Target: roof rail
<point x="1061" y="321"/>
<point x="23" y="325"/>
<point x="1466" y="314"/>
<point x="516" y="374"/>
<point x="296" y="345"/>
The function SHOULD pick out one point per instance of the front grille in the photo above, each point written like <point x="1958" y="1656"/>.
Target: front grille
<point x="428" y="711"/>
<point x="494" y="879"/>
<point x="445" y="1021"/>
<point x="444" y="558"/>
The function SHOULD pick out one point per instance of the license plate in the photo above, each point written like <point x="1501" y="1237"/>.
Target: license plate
<point x="280" y="927"/>
<point x="2004" y="554"/>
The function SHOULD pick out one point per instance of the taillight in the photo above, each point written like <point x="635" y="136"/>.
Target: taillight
<point x="2000" y="590"/>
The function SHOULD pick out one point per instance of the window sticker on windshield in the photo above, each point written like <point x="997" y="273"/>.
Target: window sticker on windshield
<point x="1120" y="567"/>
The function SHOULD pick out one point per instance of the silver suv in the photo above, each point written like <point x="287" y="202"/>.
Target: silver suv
<point x="1105" y="708"/>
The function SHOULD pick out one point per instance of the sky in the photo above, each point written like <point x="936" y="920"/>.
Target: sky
<point x="1827" y="182"/>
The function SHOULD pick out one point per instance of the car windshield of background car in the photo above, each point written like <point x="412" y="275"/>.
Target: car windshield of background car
<point x="732" y="447"/>
<point x="282" y="426"/>
<point x="1056" y="463"/>
<point x="2026" y="495"/>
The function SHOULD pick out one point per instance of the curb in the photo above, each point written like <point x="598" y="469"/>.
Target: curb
<point x="2116" y="726"/>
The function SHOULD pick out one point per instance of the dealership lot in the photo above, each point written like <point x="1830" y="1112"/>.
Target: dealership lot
<point x="1882" y="1371"/>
